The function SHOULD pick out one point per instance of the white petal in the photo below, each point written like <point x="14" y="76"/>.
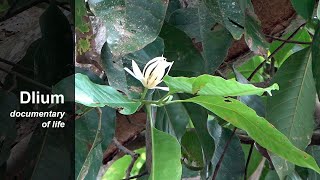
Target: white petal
<point x="136" y="70"/>
<point x="151" y="61"/>
<point x="130" y="72"/>
<point x="171" y="63"/>
<point x="162" y="88"/>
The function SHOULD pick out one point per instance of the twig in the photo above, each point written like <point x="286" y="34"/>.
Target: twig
<point x="137" y="176"/>
<point x="287" y="41"/>
<point x="15" y="65"/>
<point x="133" y="155"/>
<point x="216" y="170"/>
<point x="26" y="78"/>
<point x="274" y="52"/>
<point x="248" y="160"/>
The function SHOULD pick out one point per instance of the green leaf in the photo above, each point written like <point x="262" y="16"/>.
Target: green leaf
<point x="315" y="152"/>
<point x="291" y="108"/>
<point x="214" y="86"/>
<point x="257" y="128"/>
<point x="191" y="150"/>
<point x="233" y="163"/>
<point x="166" y="154"/>
<point x="255" y="158"/>
<point x="95" y="95"/>
<point x="88" y="138"/>
<point x="180" y="49"/>
<point x="8" y="103"/>
<point x="315" y="48"/>
<point x="172" y="118"/>
<point x="253" y="35"/>
<point x="318" y="10"/>
<point x="120" y="79"/>
<point x="216" y="39"/>
<point x="304" y="8"/>
<point x="130" y="26"/>
<point x="223" y="11"/>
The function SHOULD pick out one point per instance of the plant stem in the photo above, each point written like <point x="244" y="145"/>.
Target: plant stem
<point x="248" y="160"/>
<point x="144" y="93"/>
<point x="149" y="139"/>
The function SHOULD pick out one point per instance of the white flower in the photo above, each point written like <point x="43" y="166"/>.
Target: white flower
<point x="153" y="72"/>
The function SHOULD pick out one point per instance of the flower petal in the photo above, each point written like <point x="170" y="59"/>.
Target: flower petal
<point x="130" y="72"/>
<point x="162" y="88"/>
<point x="152" y="61"/>
<point x="136" y="70"/>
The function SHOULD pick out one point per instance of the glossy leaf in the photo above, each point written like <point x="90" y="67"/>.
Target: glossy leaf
<point x="180" y="49"/>
<point x="253" y="35"/>
<point x="291" y="108"/>
<point x="216" y="39"/>
<point x="130" y="26"/>
<point x="257" y="128"/>
<point x="223" y="11"/>
<point x="316" y="58"/>
<point x="233" y="163"/>
<point x="214" y="86"/>
<point x="8" y="103"/>
<point x="166" y="154"/>
<point x="304" y="8"/>
<point x="315" y="152"/>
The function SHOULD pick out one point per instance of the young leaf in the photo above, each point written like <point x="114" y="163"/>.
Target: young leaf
<point x="214" y="86"/>
<point x="291" y="108"/>
<point x="257" y="128"/>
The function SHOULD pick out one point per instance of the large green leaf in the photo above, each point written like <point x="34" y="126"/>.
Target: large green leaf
<point x="214" y="86"/>
<point x="8" y="103"/>
<point x="316" y="57"/>
<point x="304" y="8"/>
<point x="315" y="152"/>
<point x="166" y="154"/>
<point x="225" y="10"/>
<point x="130" y="26"/>
<point x="95" y="95"/>
<point x="291" y="108"/>
<point x="233" y="163"/>
<point x="121" y="80"/>
<point x="180" y="49"/>
<point x="216" y="39"/>
<point x="257" y="128"/>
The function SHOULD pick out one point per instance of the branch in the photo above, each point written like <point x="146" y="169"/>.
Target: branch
<point x="286" y="41"/>
<point x="133" y="155"/>
<point x="248" y="160"/>
<point x="26" y="79"/>
<point x="216" y="170"/>
<point x="274" y="52"/>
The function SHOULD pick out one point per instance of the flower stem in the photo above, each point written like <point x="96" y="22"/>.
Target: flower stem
<point x="144" y="93"/>
<point x="149" y="139"/>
